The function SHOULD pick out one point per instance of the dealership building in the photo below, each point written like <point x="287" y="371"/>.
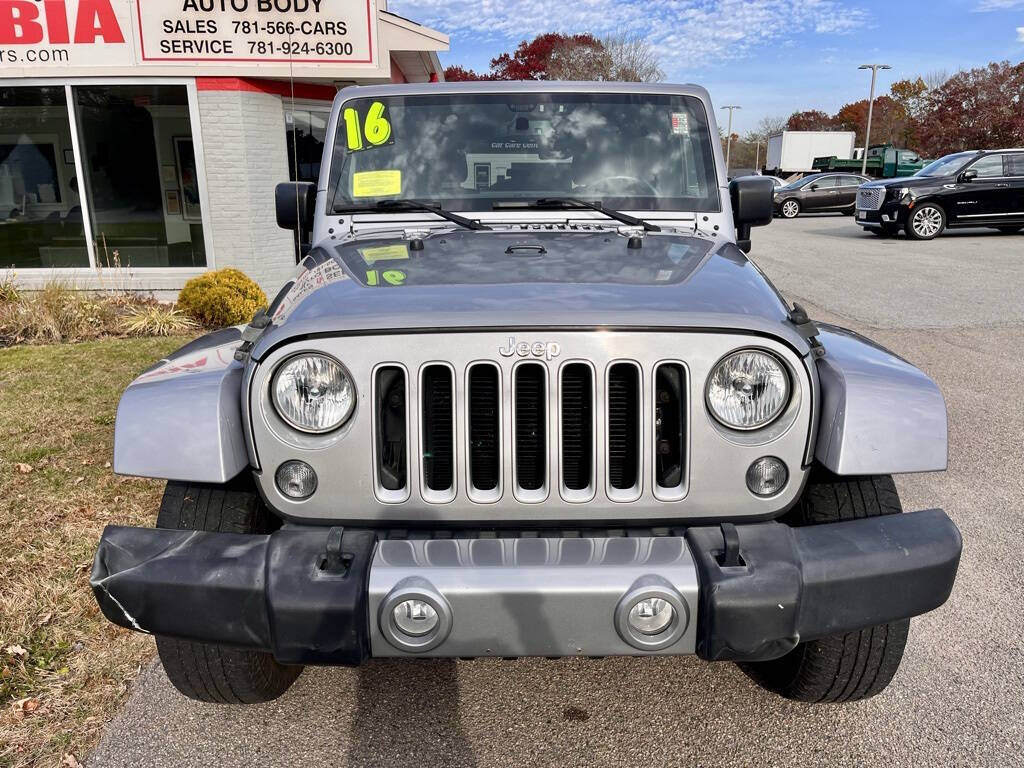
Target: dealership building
<point x="141" y="140"/>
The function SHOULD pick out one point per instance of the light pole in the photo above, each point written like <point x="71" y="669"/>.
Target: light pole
<point x="728" y="137"/>
<point x="871" y="104"/>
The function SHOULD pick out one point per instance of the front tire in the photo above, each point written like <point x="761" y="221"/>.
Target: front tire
<point x="926" y="222"/>
<point x="214" y="673"/>
<point x="854" y="665"/>
<point x="790" y="209"/>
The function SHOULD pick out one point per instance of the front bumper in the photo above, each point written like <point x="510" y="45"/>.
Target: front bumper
<point x="326" y="595"/>
<point x="892" y="213"/>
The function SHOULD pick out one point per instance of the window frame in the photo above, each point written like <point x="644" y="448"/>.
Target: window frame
<point x="69" y="84"/>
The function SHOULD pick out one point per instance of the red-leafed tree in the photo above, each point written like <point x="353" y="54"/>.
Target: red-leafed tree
<point x="811" y="120"/>
<point x="888" y="120"/>
<point x="456" y="74"/>
<point x="977" y="109"/>
<point x="531" y="60"/>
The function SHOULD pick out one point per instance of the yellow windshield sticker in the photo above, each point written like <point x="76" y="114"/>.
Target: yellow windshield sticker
<point x="384" y="253"/>
<point x="376" y="183"/>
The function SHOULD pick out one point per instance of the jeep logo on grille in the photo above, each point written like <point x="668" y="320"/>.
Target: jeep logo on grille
<point x="546" y="349"/>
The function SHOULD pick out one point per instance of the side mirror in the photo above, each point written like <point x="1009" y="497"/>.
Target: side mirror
<point x="814" y="187"/>
<point x="969" y="175"/>
<point x="751" y="198"/>
<point x="295" y="203"/>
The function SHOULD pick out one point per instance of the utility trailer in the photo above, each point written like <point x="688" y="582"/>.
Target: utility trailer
<point x="794" y="152"/>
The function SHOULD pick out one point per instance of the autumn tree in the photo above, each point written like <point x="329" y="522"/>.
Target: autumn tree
<point x="531" y="59"/>
<point x="980" y="108"/>
<point x="810" y="120"/>
<point x="888" y="120"/>
<point x="623" y="57"/>
<point x="456" y="74"/>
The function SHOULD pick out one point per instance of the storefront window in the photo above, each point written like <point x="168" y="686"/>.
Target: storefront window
<point x="142" y="183"/>
<point x="40" y="208"/>
<point x="306" y="131"/>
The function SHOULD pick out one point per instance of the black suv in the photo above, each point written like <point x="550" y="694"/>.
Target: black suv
<point x="818" y="192"/>
<point x="965" y="189"/>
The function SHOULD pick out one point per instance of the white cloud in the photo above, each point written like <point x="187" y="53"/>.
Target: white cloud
<point x="999" y="5"/>
<point x="684" y="33"/>
<point x="1020" y="34"/>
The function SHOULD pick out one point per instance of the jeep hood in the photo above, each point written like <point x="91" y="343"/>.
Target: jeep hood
<point x="526" y="277"/>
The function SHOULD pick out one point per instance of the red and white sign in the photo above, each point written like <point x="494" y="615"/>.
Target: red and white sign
<point x="65" y="33"/>
<point x="116" y="34"/>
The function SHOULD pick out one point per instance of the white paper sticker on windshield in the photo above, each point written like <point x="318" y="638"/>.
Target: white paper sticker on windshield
<point x="680" y="123"/>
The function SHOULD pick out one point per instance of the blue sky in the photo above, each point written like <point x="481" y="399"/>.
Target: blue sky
<point x="769" y="56"/>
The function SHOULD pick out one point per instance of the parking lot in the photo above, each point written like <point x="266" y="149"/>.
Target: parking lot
<point x="953" y="306"/>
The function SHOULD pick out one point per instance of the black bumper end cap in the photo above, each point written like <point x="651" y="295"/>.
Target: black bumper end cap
<point x="269" y="593"/>
<point x="797" y="584"/>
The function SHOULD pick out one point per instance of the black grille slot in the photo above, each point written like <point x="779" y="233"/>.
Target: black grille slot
<point x="390" y="414"/>
<point x="438" y="428"/>
<point x="484" y="430"/>
<point x="531" y="433"/>
<point x="623" y="426"/>
<point x="669" y="425"/>
<point x="577" y="426"/>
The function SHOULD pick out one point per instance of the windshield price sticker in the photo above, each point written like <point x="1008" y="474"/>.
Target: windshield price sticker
<point x="376" y="183"/>
<point x="255" y="30"/>
<point x="367" y="131"/>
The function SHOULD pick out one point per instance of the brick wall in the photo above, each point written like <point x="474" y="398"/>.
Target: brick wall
<point x="245" y="151"/>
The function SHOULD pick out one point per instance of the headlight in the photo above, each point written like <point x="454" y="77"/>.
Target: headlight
<point x="313" y="393"/>
<point x="747" y="389"/>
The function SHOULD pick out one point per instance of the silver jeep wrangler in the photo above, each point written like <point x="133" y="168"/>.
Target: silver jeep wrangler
<point x="527" y="396"/>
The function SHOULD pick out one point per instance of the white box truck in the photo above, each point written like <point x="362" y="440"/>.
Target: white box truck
<point x="792" y="152"/>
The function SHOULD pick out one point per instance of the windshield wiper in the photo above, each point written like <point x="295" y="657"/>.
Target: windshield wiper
<point x="576" y="202"/>
<point x="405" y="204"/>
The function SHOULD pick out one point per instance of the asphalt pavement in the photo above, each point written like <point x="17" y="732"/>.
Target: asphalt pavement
<point x="954" y="307"/>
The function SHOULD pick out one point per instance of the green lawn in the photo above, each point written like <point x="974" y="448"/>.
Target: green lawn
<point x="64" y="670"/>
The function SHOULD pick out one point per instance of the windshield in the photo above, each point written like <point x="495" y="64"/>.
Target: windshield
<point x="469" y="151"/>
<point x="946" y="166"/>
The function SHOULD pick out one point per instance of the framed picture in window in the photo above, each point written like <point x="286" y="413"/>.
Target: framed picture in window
<point x="188" y="178"/>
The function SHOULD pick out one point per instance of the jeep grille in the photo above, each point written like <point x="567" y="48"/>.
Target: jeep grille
<point x="542" y="396"/>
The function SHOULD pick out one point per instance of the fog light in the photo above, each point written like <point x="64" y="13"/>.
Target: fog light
<point x="651" y="615"/>
<point x="415" y="617"/>
<point x="296" y="479"/>
<point x="767" y="476"/>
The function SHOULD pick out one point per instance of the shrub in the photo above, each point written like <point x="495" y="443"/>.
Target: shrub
<point x="220" y="298"/>
<point x="152" y="319"/>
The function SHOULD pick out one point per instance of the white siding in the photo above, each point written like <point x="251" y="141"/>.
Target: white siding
<point x="244" y="140"/>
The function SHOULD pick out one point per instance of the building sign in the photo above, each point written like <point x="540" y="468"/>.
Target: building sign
<point x="255" y="30"/>
<point x="77" y="35"/>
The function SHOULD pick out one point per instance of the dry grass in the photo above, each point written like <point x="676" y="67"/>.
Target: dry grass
<point x="64" y="670"/>
<point x="59" y="313"/>
<point x="153" y="319"/>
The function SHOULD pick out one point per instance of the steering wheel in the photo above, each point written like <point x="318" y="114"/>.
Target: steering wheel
<point x="618" y="181"/>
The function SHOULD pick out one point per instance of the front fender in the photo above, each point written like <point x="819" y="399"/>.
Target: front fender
<point x="879" y="414"/>
<point x="181" y="419"/>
